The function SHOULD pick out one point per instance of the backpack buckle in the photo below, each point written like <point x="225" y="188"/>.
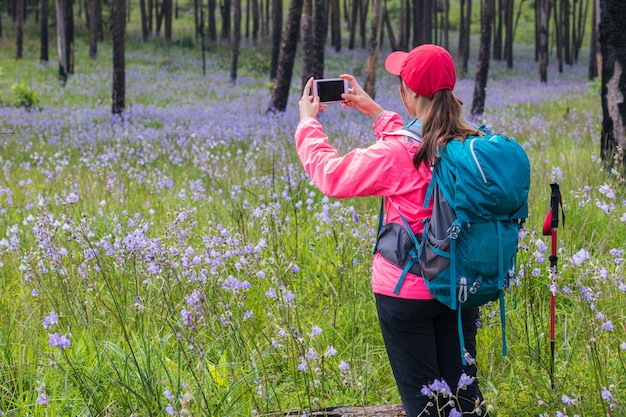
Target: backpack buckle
<point x="462" y="290"/>
<point x="454" y="231"/>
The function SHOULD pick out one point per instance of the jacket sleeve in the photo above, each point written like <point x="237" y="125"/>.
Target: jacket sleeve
<point x="360" y="172"/>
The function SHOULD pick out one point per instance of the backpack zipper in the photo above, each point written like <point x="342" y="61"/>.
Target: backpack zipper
<point x="480" y="169"/>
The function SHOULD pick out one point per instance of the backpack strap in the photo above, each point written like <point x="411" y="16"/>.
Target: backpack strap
<point x="414" y="256"/>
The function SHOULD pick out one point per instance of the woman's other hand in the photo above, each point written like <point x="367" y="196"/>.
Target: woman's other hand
<point x="359" y="99"/>
<point x="309" y="105"/>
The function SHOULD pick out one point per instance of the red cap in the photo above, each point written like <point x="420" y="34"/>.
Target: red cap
<point x="425" y="70"/>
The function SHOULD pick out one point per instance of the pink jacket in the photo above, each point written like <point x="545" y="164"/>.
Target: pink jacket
<point x="383" y="169"/>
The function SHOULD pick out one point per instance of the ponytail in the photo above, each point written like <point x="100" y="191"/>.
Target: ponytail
<point x="442" y="123"/>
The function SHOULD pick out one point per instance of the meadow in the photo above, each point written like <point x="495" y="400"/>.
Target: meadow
<point x="180" y="262"/>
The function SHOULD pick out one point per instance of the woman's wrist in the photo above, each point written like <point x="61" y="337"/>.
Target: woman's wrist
<point x="375" y="114"/>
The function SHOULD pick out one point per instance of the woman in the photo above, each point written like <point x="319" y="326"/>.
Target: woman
<point x="420" y="334"/>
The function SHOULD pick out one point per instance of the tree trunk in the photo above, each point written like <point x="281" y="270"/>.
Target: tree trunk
<point x="95" y="22"/>
<point x="544" y="18"/>
<point x="510" y="31"/>
<point x="277" y="25"/>
<point x="558" y="33"/>
<point x="372" y="56"/>
<point x="613" y="46"/>
<point x="580" y="25"/>
<point x="446" y="24"/>
<point x="335" y="24"/>
<point x="320" y="25"/>
<point x="118" y="27"/>
<point x="403" y="27"/>
<point x="145" y="32"/>
<point x="236" y="41"/>
<point x="225" y="10"/>
<point x="211" y="21"/>
<point x="256" y="17"/>
<point x="482" y="70"/>
<point x="364" y="6"/>
<point x="464" y="33"/>
<point x="392" y="39"/>
<point x="354" y="14"/>
<point x="498" y="29"/>
<point x="43" y="36"/>
<point x="19" y="29"/>
<point x="286" y="58"/>
<point x="307" y="42"/>
<point x="65" y="38"/>
<point x="168" y="13"/>
<point x="595" y="57"/>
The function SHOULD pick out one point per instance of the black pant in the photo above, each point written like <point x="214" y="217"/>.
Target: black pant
<point x="422" y="342"/>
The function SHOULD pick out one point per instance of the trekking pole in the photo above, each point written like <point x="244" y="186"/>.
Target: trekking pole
<point x="550" y="227"/>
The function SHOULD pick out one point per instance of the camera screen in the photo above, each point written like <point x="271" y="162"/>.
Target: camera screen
<point x="330" y="90"/>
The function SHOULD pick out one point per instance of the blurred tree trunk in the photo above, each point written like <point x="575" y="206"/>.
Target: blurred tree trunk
<point x="510" y="31"/>
<point x="95" y="23"/>
<point x="364" y="7"/>
<point x="544" y="19"/>
<point x="558" y="33"/>
<point x="151" y="7"/>
<point x="498" y="29"/>
<point x="465" y="21"/>
<point x="372" y="56"/>
<point x="565" y="19"/>
<point x="145" y="32"/>
<point x="118" y="28"/>
<point x="211" y="21"/>
<point x="256" y="17"/>
<point x="225" y="10"/>
<point x="352" y="24"/>
<point x="613" y="46"/>
<point x="320" y="26"/>
<point x="236" y="40"/>
<point x="446" y="24"/>
<point x="580" y="24"/>
<point x="482" y="70"/>
<point x="404" y="25"/>
<point x="287" y="58"/>
<point x="277" y="26"/>
<point x="335" y="24"/>
<point x="595" y="56"/>
<point x="43" y="35"/>
<point x="19" y="29"/>
<point x="167" y="11"/>
<point x="392" y="38"/>
<point x="65" y="38"/>
<point x="307" y="42"/>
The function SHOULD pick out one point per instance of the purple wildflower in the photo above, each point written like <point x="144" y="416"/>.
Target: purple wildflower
<point x="50" y="320"/>
<point x="295" y="268"/>
<point x="60" y="341"/>
<point x="302" y="366"/>
<point x="465" y="380"/>
<point x="607" y="326"/>
<point x="316" y="331"/>
<point x="455" y="413"/>
<point x="343" y="366"/>
<point x="606" y="394"/>
<point x="331" y="351"/>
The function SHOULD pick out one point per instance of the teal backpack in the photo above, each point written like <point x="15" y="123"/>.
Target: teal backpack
<point x="467" y="253"/>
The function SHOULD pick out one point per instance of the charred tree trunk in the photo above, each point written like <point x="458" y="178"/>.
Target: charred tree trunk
<point x="65" y="38"/>
<point x="482" y="70"/>
<point x="558" y="33"/>
<point x="256" y="17"/>
<point x="372" y="56"/>
<point x="510" y="30"/>
<point x="464" y="33"/>
<point x="43" y="35"/>
<point x="167" y="10"/>
<point x="19" y="29"/>
<point x="595" y="57"/>
<point x="95" y="23"/>
<point x="211" y="21"/>
<point x="335" y="24"/>
<point x="118" y="28"/>
<point x="544" y="19"/>
<point x="307" y="42"/>
<point x="613" y="46"/>
<point x="236" y="40"/>
<point x="277" y="25"/>
<point x="286" y="58"/>
<point x="498" y="29"/>
<point x="225" y="10"/>
<point x="320" y="24"/>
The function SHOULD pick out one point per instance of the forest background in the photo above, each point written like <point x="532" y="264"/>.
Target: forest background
<point x="173" y="257"/>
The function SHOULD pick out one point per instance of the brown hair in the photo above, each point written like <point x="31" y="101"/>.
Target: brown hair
<point x="442" y="124"/>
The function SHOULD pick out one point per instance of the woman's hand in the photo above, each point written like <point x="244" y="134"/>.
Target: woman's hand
<point x="359" y="99"/>
<point x="310" y="106"/>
